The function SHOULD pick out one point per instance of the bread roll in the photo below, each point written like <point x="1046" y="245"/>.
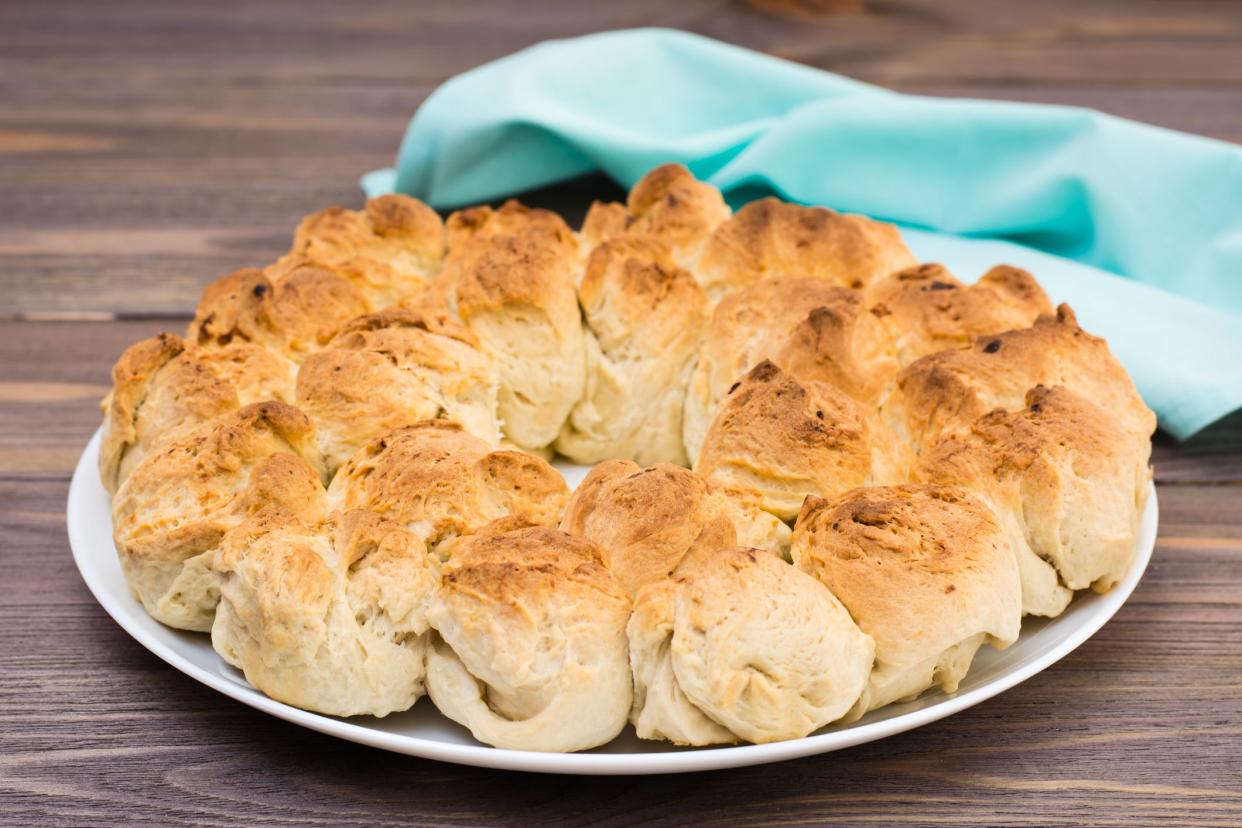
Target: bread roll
<point x="928" y="310"/>
<point x="329" y="618"/>
<point x="644" y="319"/>
<point x="928" y="572"/>
<point x="742" y="646"/>
<point x="530" y="651"/>
<point x="667" y="203"/>
<point x="646" y="521"/>
<point x="807" y="327"/>
<point x="476" y="226"/>
<point x="388" y="251"/>
<point x="295" y="316"/>
<point x="517" y="294"/>
<point x="1068" y="475"/>
<point x="393" y="369"/>
<point x="788" y="439"/>
<point x="949" y="390"/>
<point x="443" y="483"/>
<point x="170" y="514"/>
<point x="769" y="238"/>
<point x="160" y="386"/>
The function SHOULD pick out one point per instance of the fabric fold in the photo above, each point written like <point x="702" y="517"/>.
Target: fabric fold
<point x="1160" y="209"/>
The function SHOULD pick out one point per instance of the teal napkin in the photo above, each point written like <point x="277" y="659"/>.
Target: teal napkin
<point x="1160" y="209"/>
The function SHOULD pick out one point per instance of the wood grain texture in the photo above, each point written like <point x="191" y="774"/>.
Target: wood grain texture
<point x="146" y="148"/>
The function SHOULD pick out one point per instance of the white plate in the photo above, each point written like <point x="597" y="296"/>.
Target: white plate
<point x="424" y="732"/>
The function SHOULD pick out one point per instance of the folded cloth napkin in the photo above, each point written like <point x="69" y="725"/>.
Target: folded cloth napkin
<point x="1161" y="209"/>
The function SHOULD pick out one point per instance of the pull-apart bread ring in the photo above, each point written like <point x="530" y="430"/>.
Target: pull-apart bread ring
<point x="741" y="646"/>
<point x="667" y="203"/>
<point x="172" y="511"/>
<point x="788" y="438"/>
<point x="389" y="251"/>
<point x="295" y="316"/>
<point x="928" y="310"/>
<point x="1069" y="477"/>
<point x="644" y="318"/>
<point x="442" y="483"/>
<point x="808" y="328"/>
<point x="530" y="648"/>
<point x="951" y="457"/>
<point x="329" y="617"/>
<point x="772" y="239"/>
<point x="517" y="293"/>
<point x="647" y="521"/>
<point x="393" y="369"/>
<point x="928" y="572"/>
<point x="161" y="386"/>
<point x="947" y="391"/>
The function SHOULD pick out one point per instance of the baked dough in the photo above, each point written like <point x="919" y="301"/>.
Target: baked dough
<point x="668" y="204"/>
<point x="928" y="572"/>
<point x="530" y="647"/>
<point x="172" y="511"/>
<point x="330" y="618"/>
<point x="644" y="316"/>
<point x="647" y="521"/>
<point x="393" y="369"/>
<point x="1067" y="476"/>
<point x="770" y="238"/>
<point x="161" y="386"/>
<point x="517" y="293"/>
<point x="342" y="469"/>
<point x="949" y="390"/>
<point x="741" y="646"/>
<point x="927" y="309"/>
<point x="295" y="316"/>
<point x="809" y="328"/>
<point x="788" y="439"/>
<point x="389" y="250"/>
<point x="443" y="483"/>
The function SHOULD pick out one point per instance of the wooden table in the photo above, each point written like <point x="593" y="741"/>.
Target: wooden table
<point x="146" y="148"/>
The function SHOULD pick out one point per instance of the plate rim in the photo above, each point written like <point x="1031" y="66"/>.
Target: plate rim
<point x="677" y="761"/>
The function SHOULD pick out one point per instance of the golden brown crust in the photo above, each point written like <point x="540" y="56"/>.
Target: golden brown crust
<point x="328" y="617"/>
<point x="1070" y="476"/>
<point x="828" y="363"/>
<point x="769" y="238"/>
<point x="645" y="316"/>
<point x="923" y="570"/>
<point x="668" y="203"/>
<point x="517" y="294"/>
<point x="740" y="645"/>
<point x="928" y="310"/>
<point x="388" y="251"/>
<point x="809" y="328"/>
<point x="178" y="503"/>
<point x="443" y="483"/>
<point x="394" y="369"/>
<point x="161" y="387"/>
<point x="131" y="377"/>
<point x="297" y="315"/>
<point x="477" y="225"/>
<point x="949" y="390"/>
<point x="532" y="649"/>
<point x="648" y="521"/>
<point x="604" y="220"/>
<point x="789" y="439"/>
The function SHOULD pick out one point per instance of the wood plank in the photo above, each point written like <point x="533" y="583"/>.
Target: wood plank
<point x="1139" y="725"/>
